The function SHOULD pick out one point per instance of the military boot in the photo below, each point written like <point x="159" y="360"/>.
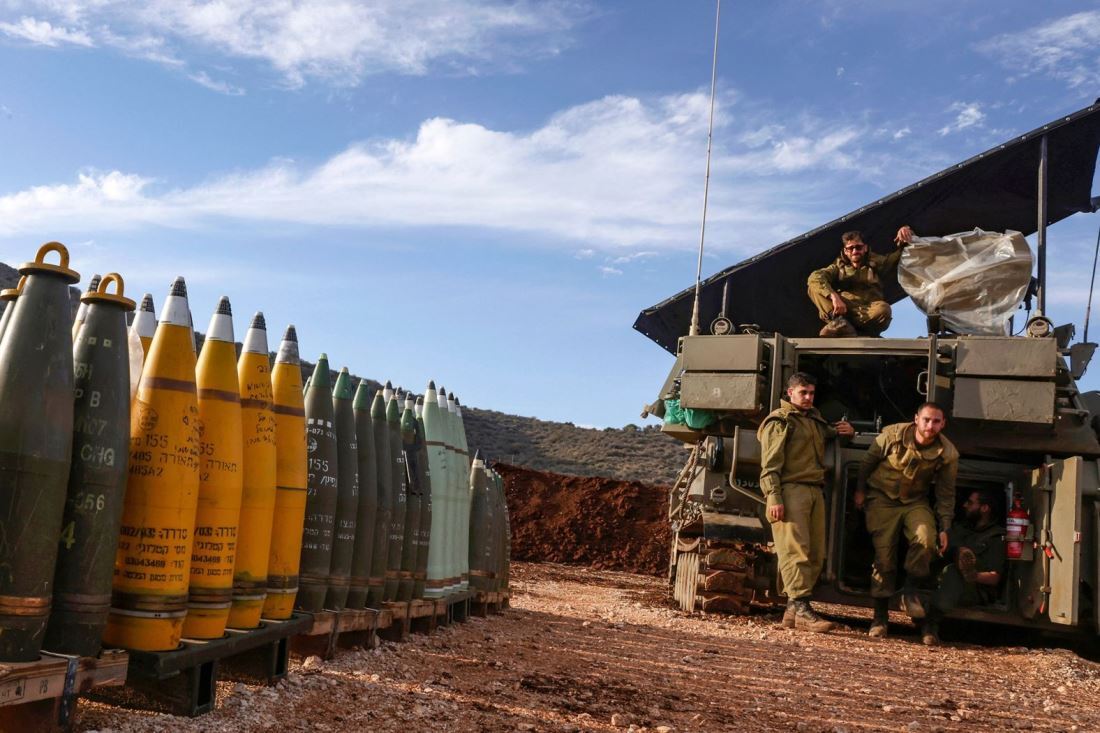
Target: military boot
<point x="880" y="624"/>
<point x="967" y="562"/>
<point x="838" y="327"/>
<point x="806" y="619"/>
<point x="788" y="614"/>
<point x="930" y="632"/>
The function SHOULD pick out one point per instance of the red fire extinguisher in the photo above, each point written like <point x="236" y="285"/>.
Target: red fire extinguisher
<point x="1016" y="529"/>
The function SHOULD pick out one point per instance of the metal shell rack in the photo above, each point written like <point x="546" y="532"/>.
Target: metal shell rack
<point x="184" y="681"/>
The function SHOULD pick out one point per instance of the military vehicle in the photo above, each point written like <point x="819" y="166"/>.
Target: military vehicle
<point x="1014" y="409"/>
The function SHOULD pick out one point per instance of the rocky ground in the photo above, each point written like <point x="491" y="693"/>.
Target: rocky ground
<point x="597" y="650"/>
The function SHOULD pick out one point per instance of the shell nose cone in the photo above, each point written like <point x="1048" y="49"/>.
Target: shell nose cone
<point x="221" y="323"/>
<point x="255" y="341"/>
<point x="431" y="384"/>
<point x="93" y="284"/>
<point x="342" y="390"/>
<point x="147" y="302"/>
<point x="179" y="287"/>
<point x="320" y="378"/>
<point x="288" y="348"/>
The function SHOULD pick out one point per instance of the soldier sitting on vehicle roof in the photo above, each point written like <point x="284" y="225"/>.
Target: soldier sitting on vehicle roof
<point x="972" y="579"/>
<point x="848" y="293"/>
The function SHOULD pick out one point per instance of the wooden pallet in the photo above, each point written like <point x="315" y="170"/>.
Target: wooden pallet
<point x="457" y="606"/>
<point x="350" y="627"/>
<point x="184" y="681"/>
<point x="40" y="696"/>
<point x="399" y="628"/>
<point x="486" y="602"/>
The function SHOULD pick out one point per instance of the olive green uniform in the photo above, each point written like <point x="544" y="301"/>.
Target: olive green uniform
<point x="792" y="473"/>
<point x="898" y="475"/>
<point x="989" y="549"/>
<point x="859" y="287"/>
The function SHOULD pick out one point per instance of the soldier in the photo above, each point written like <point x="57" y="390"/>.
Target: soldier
<point x="792" y="474"/>
<point x="973" y="578"/>
<point x="901" y="467"/>
<point x="848" y="293"/>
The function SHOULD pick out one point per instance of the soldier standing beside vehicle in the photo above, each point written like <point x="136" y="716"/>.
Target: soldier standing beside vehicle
<point x="901" y="467"/>
<point x="792" y="474"/>
<point x="848" y="293"/>
<point x="972" y="579"/>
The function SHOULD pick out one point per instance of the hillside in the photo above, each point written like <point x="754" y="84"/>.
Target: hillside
<point x="628" y="454"/>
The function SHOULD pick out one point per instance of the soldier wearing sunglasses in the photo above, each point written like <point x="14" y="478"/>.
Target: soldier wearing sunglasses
<point x="848" y="293"/>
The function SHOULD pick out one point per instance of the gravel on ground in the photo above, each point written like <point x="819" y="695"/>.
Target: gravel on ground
<point x="596" y="650"/>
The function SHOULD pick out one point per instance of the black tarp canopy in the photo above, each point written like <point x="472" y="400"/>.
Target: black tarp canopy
<point x="995" y="190"/>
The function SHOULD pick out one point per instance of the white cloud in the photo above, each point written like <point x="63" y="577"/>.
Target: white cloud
<point x="610" y="271"/>
<point x="903" y="132"/>
<point x="627" y="259"/>
<point x="43" y="33"/>
<point x="202" y="79"/>
<point x="968" y="114"/>
<point x="839" y="71"/>
<point x="335" y="41"/>
<point x="1064" y="49"/>
<point x="584" y="254"/>
<point x="619" y="172"/>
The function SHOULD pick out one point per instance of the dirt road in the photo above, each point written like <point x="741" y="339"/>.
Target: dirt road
<point x="601" y="651"/>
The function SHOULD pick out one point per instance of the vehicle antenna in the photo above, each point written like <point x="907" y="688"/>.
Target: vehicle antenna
<point x="706" y="183"/>
<point x="1092" y="284"/>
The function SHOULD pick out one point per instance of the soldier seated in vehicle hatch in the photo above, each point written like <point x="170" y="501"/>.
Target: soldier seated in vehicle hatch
<point x="848" y="293"/>
<point x="975" y="575"/>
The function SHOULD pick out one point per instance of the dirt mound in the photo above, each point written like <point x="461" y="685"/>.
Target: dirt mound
<point x="599" y="522"/>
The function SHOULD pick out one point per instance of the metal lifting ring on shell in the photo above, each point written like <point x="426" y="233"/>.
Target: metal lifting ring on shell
<point x="40" y="264"/>
<point x="100" y="295"/>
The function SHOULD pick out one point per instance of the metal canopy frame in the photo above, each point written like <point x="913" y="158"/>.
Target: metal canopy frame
<point x="995" y="190"/>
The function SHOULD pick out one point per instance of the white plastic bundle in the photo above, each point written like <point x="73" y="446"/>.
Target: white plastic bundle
<point x="973" y="280"/>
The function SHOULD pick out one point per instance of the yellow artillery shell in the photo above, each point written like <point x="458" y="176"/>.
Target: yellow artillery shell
<point x="258" y="498"/>
<point x="290" y="480"/>
<point x="145" y="323"/>
<point x="220" y="481"/>
<point x="152" y="565"/>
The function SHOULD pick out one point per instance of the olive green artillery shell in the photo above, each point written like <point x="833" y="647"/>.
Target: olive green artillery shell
<point x="481" y="529"/>
<point x="9" y="296"/>
<point x="381" y="533"/>
<point x="347" y="495"/>
<point x="368" y="500"/>
<point x="507" y="538"/>
<point x="321" y="487"/>
<point x="501" y="539"/>
<point x="424" y="477"/>
<point x="410" y="548"/>
<point x="398" y="497"/>
<point x="36" y="441"/>
<point x="97" y="482"/>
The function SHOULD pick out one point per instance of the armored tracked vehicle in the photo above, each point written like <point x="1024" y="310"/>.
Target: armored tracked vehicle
<point x="1014" y="409"/>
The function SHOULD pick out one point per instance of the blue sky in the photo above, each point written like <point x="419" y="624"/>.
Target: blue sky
<point x="487" y="193"/>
